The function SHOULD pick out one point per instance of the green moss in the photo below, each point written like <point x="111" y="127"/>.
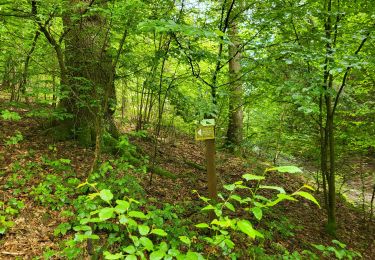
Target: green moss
<point x="162" y="172"/>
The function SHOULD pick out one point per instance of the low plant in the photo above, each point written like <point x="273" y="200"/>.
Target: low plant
<point x="55" y="191"/>
<point x="8" y="211"/>
<point x="226" y="222"/>
<point x="15" y="139"/>
<point x="126" y="228"/>
<point x="338" y="250"/>
<point x="131" y="231"/>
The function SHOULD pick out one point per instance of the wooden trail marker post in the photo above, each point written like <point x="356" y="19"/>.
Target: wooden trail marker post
<point x="206" y="132"/>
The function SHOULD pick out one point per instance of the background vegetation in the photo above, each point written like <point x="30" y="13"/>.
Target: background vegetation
<point x="96" y="95"/>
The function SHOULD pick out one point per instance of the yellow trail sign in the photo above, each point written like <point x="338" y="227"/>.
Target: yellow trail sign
<point x="204" y="132"/>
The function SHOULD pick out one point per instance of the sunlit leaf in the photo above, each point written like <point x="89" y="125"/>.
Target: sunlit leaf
<point x="307" y="196"/>
<point x="283" y="169"/>
<point x="159" y="232"/>
<point x="252" y="177"/>
<point x="106" y="195"/>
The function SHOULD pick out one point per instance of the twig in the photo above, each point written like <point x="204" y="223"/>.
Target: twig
<point x="12" y="253"/>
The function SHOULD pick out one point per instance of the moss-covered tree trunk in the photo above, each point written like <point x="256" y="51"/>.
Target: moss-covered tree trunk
<point x="89" y="86"/>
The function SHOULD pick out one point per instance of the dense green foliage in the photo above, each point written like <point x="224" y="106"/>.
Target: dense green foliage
<point x="287" y="82"/>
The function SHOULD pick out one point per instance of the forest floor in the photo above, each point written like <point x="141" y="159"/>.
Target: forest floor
<point x="302" y="223"/>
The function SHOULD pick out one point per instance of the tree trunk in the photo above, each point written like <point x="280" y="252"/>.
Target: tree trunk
<point x="234" y="133"/>
<point x="89" y="74"/>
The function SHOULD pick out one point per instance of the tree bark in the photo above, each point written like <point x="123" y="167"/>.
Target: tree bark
<point x="91" y="97"/>
<point x="235" y="125"/>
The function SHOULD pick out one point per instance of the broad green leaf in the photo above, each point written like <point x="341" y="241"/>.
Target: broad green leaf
<point x="108" y="255"/>
<point x="173" y="252"/>
<point x="282" y="169"/>
<point x="258" y="213"/>
<point x="208" y="207"/>
<point x="193" y="256"/>
<point x="137" y="214"/>
<point x="106" y="213"/>
<point x="163" y="246"/>
<point x="280" y="189"/>
<point x="308" y="187"/>
<point x="82" y="228"/>
<point x="226" y="222"/>
<point x="147" y="243"/>
<point x="143" y="229"/>
<point x="342" y="245"/>
<point x="122" y="206"/>
<point x="319" y="247"/>
<point x="135" y="240"/>
<point x="202" y="225"/>
<point x="159" y="232"/>
<point x="157" y="255"/>
<point x="307" y="196"/>
<point x="106" y="195"/>
<point x="129" y="249"/>
<point x="246" y="227"/>
<point x="131" y="257"/>
<point x="185" y="240"/>
<point x="236" y="198"/>
<point x="285" y="197"/>
<point x="229" y="243"/>
<point x="230" y="206"/>
<point x="252" y="177"/>
<point x="229" y="187"/>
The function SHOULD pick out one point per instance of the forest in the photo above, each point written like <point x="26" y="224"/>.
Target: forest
<point x="187" y="129"/>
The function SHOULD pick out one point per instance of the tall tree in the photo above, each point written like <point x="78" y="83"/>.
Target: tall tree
<point x="235" y="120"/>
<point x="86" y="68"/>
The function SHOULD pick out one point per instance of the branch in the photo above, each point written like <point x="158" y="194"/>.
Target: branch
<point x="190" y="60"/>
<point x="344" y="79"/>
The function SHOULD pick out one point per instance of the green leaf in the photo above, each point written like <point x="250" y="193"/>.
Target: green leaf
<point x="308" y="187"/>
<point x="106" y="213"/>
<point x="236" y="198"/>
<point x="163" y="246"/>
<point x="246" y="227"/>
<point x="131" y="257"/>
<point x="229" y="187"/>
<point x="129" y="249"/>
<point x="258" y="213"/>
<point x="230" y="206"/>
<point x="319" y="247"/>
<point x="283" y="169"/>
<point x="280" y="189"/>
<point x="122" y="206"/>
<point x="252" y="177"/>
<point x="173" y="252"/>
<point x="159" y="232"/>
<point x="307" y="196"/>
<point x="185" y="240"/>
<point x="208" y="207"/>
<point x="193" y="256"/>
<point x="106" y="195"/>
<point x="108" y="255"/>
<point x="202" y="225"/>
<point x="157" y="255"/>
<point x="143" y="230"/>
<point x="229" y="243"/>
<point x="147" y="243"/>
<point x="137" y="214"/>
<point x="342" y="245"/>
